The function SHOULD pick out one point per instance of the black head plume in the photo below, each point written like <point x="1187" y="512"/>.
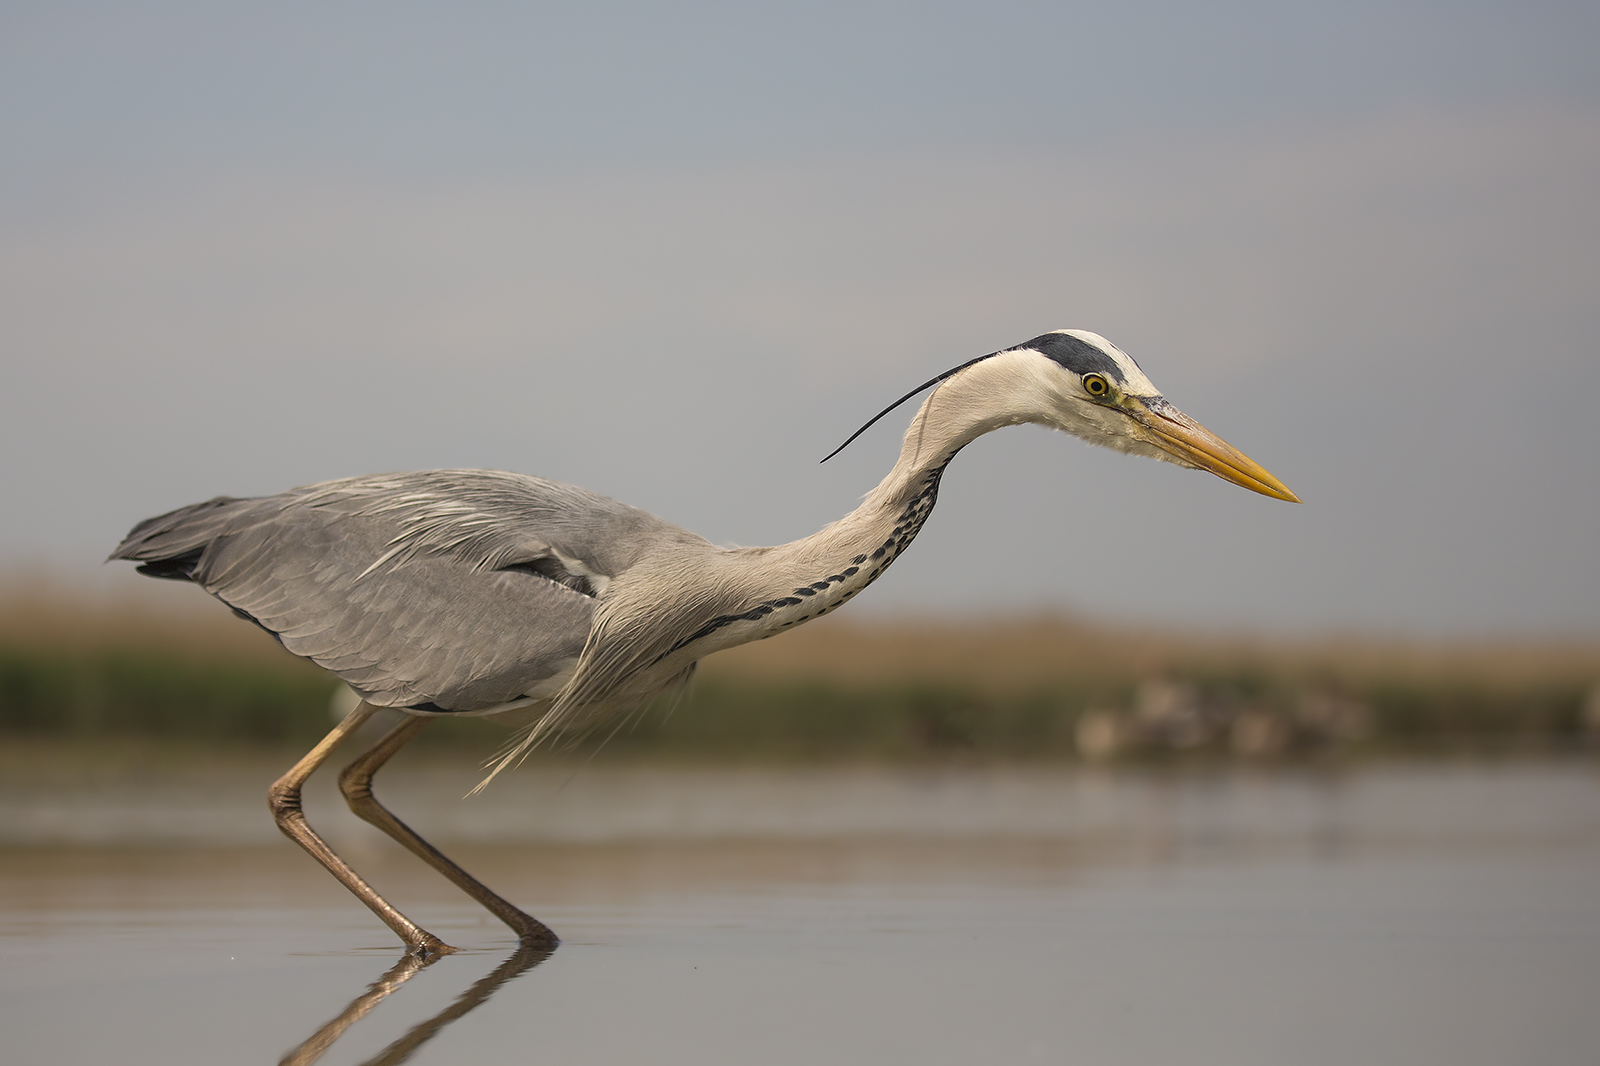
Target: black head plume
<point x="926" y="384"/>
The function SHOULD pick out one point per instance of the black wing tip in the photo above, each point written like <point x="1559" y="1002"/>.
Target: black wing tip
<point x="176" y="568"/>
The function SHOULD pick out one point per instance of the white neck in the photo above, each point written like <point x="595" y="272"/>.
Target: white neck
<point x="796" y="582"/>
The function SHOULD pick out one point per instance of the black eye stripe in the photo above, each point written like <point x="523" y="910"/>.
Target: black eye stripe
<point x="1078" y="356"/>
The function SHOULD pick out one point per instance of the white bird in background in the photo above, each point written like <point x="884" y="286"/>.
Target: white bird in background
<point x="474" y="592"/>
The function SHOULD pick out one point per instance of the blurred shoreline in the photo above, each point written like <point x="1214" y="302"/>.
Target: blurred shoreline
<point x="140" y="795"/>
<point x="163" y="672"/>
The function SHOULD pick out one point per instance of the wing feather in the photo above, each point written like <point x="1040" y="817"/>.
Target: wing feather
<point x="460" y="589"/>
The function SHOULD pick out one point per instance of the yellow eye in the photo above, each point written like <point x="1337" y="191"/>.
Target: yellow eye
<point x="1096" y="385"/>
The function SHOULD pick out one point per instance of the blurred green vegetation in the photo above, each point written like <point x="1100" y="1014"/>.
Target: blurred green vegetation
<point x="109" y="692"/>
<point x="741" y="718"/>
<point x="1195" y="712"/>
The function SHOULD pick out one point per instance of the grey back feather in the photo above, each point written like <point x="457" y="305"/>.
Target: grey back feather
<point x="421" y="589"/>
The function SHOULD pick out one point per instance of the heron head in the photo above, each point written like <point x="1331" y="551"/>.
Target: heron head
<point x="1095" y="390"/>
<point x="1079" y="382"/>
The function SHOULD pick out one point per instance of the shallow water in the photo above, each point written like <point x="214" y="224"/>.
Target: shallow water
<point x="1410" y="914"/>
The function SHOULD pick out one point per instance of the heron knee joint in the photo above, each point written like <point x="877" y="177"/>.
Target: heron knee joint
<point x="356" y="784"/>
<point x="284" y="802"/>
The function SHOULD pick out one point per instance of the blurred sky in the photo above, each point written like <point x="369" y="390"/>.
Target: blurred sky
<point x="678" y="252"/>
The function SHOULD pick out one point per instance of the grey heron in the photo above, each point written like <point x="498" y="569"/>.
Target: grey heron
<point x="470" y="592"/>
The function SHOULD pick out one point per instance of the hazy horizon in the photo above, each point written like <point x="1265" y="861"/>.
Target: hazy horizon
<point x="676" y="255"/>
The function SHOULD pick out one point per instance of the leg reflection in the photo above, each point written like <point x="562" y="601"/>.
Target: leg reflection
<point x="529" y="954"/>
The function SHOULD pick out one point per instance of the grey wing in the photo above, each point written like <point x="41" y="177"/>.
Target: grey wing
<point x="446" y="590"/>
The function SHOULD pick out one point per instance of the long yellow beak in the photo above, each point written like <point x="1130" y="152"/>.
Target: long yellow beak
<point x="1187" y="439"/>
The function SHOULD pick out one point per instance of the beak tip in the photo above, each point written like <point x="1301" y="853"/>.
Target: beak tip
<point x="1271" y="486"/>
<point x="1196" y="446"/>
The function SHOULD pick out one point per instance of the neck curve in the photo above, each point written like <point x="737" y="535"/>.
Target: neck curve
<point x="958" y="411"/>
<point x="790" y="584"/>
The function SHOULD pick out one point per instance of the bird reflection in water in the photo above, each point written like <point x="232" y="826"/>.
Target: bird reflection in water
<point x="529" y="954"/>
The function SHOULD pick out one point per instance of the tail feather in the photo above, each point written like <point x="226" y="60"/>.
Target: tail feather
<point x="171" y="545"/>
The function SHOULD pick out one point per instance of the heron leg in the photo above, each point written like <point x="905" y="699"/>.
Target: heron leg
<point x="356" y="784"/>
<point x="284" y="800"/>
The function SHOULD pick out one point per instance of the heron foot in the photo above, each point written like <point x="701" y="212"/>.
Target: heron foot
<point x="429" y="948"/>
<point x="542" y="938"/>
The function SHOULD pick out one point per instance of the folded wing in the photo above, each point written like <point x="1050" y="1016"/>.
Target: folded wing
<point x="450" y="590"/>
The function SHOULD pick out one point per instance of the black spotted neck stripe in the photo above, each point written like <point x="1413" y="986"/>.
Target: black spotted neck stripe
<point x="841" y="585"/>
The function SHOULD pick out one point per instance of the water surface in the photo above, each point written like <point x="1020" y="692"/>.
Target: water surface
<point x="1411" y="914"/>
